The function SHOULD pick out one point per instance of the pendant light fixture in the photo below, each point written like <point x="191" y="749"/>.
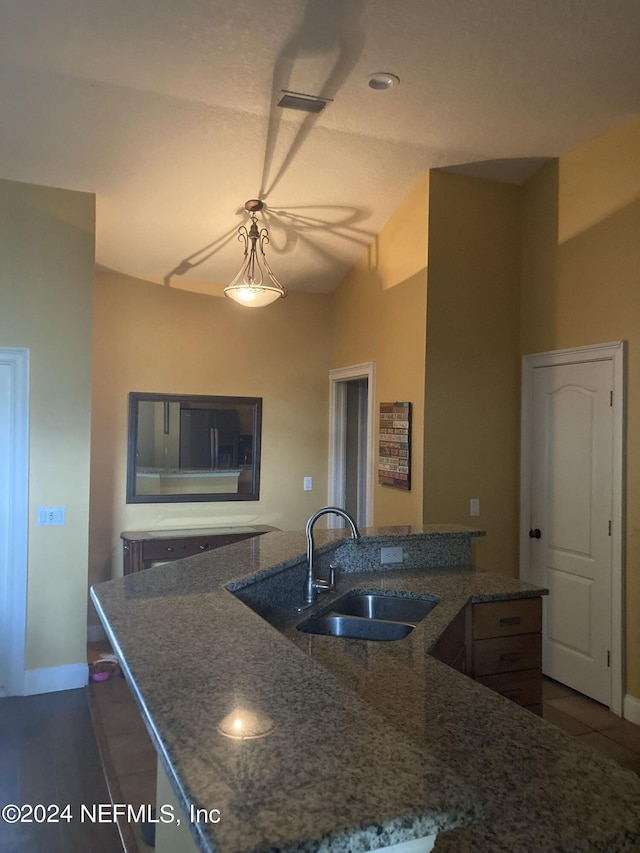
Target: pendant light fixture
<point x="254" y="286"/>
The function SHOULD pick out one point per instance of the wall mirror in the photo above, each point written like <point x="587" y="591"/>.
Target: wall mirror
<point x="193" y="448"/>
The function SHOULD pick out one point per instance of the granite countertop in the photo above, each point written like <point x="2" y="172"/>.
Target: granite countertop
<point x="370" y="744"/>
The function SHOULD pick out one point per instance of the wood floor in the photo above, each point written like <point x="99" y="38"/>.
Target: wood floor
<point x="48" y="755"/>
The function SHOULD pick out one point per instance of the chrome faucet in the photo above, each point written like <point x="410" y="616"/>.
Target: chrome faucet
<point x="314" y="585"/>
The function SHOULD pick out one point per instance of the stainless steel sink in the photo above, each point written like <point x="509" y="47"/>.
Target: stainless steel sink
<point x="391" y="607"/>
<point x="355" y="627"/>
<point x="370" y="616"/>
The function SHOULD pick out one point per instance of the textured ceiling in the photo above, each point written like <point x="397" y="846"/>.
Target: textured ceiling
<point x="166" y="110"/>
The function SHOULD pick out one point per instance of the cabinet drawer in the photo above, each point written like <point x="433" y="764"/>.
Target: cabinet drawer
<point x="507" y="654"/>
<point x="504" y="618"/>
<point x="228" y="539"/>
<point x="175" y="549"/>
<point x="524" y="688"/>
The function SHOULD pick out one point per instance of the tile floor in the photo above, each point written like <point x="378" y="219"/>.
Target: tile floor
<point x="130" y="760"/>
<point x="592" y="723"/>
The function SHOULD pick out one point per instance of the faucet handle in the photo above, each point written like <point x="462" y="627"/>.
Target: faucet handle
<point x="333" y="569"/>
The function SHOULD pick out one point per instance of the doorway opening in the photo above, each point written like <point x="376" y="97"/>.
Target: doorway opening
<point x="351" y="442"/>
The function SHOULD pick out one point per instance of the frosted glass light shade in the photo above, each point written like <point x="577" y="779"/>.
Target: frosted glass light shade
<point x="252" y="297"/>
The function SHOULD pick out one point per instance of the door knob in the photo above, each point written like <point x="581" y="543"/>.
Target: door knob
<point x="535" y="534"/>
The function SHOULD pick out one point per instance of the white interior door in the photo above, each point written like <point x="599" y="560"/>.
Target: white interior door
<point x="571" y="517"/>
<point x="14" y="448"/>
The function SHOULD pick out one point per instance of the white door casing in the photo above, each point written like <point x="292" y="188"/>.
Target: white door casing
<point x="14" y="495"/>
<point x="365" y="500"/>
<point x="337" y="434"/>
<point x="571" y="491"/>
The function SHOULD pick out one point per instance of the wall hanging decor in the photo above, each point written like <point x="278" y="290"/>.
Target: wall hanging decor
<point x="394" y="460"/>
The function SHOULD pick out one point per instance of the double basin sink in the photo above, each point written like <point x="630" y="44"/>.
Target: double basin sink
<point x="370" y="616"/>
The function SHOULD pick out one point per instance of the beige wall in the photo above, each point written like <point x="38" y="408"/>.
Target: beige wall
<point x="472" y="362"/>
<point x="581" y="286"/>
<point x="157" y="339"/>
<point x="379" y="314"/>
<point x="46" y="291"/>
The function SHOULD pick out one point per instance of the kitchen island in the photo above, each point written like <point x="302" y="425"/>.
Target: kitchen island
<point x="356" y="745"/>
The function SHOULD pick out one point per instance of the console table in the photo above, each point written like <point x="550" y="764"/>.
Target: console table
<point x="141" y="548"/>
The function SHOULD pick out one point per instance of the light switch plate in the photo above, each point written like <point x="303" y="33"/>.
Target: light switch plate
<point x="50" y="515"/>
<point x="307" y="484"/>
<point x="474" y="506"/>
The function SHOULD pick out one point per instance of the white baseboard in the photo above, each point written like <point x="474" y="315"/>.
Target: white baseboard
<point x="54" y="678"/>
<point x="631" y="709"/>
<point x="96" y="634"/>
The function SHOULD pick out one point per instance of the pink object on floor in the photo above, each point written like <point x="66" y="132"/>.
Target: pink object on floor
<point x="100" y="676"/>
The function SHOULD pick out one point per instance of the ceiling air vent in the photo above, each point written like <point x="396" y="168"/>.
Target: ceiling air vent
<point x="298" y="101"/>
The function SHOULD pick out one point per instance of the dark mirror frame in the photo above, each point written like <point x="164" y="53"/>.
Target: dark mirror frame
<point x="136" y="397"/>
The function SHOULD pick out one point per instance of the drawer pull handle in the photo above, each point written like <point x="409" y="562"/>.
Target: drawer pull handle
<point x="169" y="548"/>
<point x="511" y="694"/>
<point x="205" y="547"/>
<point x="511" y="620"/>
<point x="511" y="657"/>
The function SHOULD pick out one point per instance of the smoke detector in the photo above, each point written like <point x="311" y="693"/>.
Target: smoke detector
<point x="382" y="80"/>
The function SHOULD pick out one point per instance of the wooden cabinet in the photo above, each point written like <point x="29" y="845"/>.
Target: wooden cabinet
<point x="505" y="654"/>
<point x="507" y="618"/>
<point x="504" y="648"/>
<point x="451" y="645"/>
<point x="499" y="644"/>
<point x="141" y="549"/>
<point x="522" y="687"/>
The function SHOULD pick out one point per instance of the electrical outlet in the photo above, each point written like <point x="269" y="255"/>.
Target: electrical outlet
<point x="474" y="506"/>
<point x="307" y="484"/>
<point x="391" y="554"/>
<point x="50" y="515"/>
